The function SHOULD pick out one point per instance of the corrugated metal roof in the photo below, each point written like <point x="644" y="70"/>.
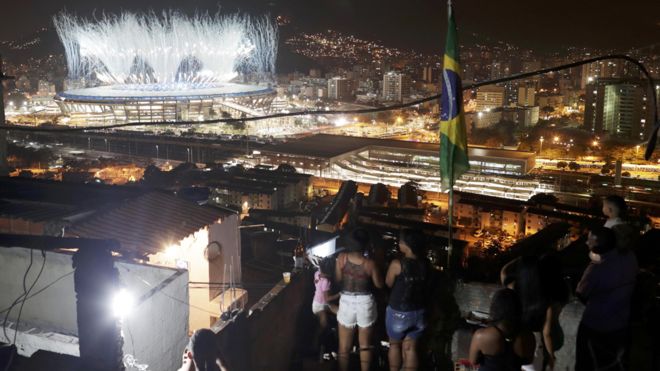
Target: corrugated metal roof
<point x="147" y="223"/>
<point x="35" y="211"/>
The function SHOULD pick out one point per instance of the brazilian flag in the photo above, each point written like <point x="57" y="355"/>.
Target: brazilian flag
<point x="453" y="136"/>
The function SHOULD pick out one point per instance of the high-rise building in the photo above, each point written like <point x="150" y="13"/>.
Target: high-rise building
<point x="499" y="69"/>
<point x="594" y="93"/>
<point x="553" y="100"/>
<point x="490" y="97"/>
<point x="624" y="110"/>
<point x="617" y="107"/>
<point x="427" y="74"/>
<point x="526" y="95"/>
<point x="396" y="86"/>
<point x="339" y="88"/>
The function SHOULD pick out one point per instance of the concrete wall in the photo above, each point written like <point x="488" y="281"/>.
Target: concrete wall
<point x="267" y="336"/>
<point x="191" y="251"/>
<point x="477" y="296"/>
<point x="156" y="330"/>
<point x="53" y="309"/>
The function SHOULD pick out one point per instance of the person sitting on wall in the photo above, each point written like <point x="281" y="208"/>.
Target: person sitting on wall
<point x="202" y="353"/>
<point x="505" y="344"/>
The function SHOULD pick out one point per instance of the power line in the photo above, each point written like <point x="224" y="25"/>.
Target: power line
<point x="24" y="296"/>
<point x="18" y="319"/>
<point x="42" y="289"/>
<point x="649" y="149"/>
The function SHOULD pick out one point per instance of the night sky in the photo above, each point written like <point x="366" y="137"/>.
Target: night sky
<point x="539" y="25"/>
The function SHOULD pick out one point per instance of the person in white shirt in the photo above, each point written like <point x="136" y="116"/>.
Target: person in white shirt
<point x="615" y="209"/>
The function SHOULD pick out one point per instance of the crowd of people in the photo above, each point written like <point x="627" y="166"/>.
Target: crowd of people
<point x="357" y="277"/>
<point x="524" y="331"/>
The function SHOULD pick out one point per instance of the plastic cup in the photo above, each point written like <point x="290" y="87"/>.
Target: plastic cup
<point x="287" y="277"/>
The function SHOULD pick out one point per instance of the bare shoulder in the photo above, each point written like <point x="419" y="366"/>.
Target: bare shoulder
<point x="395" y="266"/>
<point x="485" y="334"/>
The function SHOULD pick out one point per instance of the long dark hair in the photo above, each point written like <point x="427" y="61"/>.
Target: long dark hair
<point x="506" y="308"/>
<point x="554" y="288"/>
<point x="357" y="240"/>
<point x="415" y="239"/>
<point x="528" y="287"/>
<point x="204" y="349"/>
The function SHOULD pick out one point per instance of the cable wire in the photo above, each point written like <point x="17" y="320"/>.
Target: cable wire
<point x="42" y="289"/>
<point x="6" y="319"/>
<point x="20" y="311"/>
<point x="23" y="297"/>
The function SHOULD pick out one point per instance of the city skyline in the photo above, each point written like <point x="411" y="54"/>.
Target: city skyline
<point x="418" y="24"/>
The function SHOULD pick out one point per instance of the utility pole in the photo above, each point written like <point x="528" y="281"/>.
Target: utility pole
<point x="4" y="167"/>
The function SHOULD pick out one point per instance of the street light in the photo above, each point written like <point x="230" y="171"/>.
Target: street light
<point x="541" y="146"/>
<point x="556" y="139"/>
<point x="156" y="151"/>
<point x="637" y="150"/>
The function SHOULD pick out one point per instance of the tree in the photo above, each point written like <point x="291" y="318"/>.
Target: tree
<point x="237" y="125"/>
<point x="625" y="173"/>
<point x="605" y="170"/>
<point x="561" y="165"/>
<point x="574" y="166"/>
<point x="286" y="168"/>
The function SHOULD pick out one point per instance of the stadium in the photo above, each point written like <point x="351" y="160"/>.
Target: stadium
<point x="166" y="68"/>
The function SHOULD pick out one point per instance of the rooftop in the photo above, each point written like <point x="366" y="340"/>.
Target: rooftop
<point x="148" y="222"/>
<point x="327" y="146"/>
<point x="119" y="94"/>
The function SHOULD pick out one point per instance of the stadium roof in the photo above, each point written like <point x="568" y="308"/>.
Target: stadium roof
<point x="121" y="94"/>
<point x="328" y="146"/>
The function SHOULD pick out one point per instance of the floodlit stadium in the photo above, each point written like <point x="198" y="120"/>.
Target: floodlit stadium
<point x="150" y="68"/>
<point x="494" y="172"/>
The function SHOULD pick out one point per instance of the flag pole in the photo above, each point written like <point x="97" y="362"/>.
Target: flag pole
<point x="450" y="216"/>
<point x="450" y="219"/>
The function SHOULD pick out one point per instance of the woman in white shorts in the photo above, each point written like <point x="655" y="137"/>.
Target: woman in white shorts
<point x="357" y="276"/>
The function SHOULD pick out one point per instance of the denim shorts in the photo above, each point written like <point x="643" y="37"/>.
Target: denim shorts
<point x="402" y="325"/>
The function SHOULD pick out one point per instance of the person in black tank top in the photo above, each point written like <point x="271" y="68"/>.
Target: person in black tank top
<point x="404" y="318"/>
<point x="504" y="345"/>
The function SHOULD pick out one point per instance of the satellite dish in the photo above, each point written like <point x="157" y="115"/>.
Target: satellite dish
<point x="213" y="250"/>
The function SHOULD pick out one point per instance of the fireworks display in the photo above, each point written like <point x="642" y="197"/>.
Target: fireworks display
<point x="166" y="51"/>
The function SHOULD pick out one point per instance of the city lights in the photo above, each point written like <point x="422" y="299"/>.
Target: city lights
<point x="341" y="121"/>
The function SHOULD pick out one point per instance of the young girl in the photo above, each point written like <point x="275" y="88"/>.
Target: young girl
<point x="322" y="298"/>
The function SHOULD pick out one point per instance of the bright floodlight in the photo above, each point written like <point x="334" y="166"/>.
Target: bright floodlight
<point x="152" y="52"/>
<point x="324" y="249"/>
<point x="122" y="303"/>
